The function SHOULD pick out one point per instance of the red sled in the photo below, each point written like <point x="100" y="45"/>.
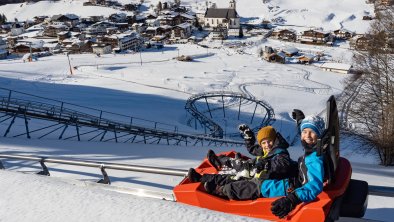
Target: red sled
<point x="327" y="207"/>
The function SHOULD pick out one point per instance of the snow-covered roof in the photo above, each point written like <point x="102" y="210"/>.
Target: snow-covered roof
<point x="184" y="25"/>
<point x="221" y="13"/>
<point x="338" y="66"/>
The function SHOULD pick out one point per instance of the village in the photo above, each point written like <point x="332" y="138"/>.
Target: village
<point x="132" y="30"/>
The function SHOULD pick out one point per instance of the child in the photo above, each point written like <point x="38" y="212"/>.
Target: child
<point x="270" y="144"/>
<point x="274" y="163"/>
<point x="303" y="188"/>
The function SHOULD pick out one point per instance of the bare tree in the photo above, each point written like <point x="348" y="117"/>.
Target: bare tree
<point x="372" y="93"/>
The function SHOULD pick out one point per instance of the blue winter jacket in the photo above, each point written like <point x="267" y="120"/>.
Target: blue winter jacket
<point x="311" y="176"/>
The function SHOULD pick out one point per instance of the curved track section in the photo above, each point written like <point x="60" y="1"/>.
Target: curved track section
<point x="30" y="116"/>
<point x="223" y="101"/>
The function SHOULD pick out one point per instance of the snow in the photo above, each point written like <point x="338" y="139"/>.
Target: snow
<point x="152" y="85"/>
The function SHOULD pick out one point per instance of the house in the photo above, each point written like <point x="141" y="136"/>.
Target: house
<point x="360" y="42"/>
<point x="27" y="46"/>
<point x="54" y="30"/>
<point x="285" y="34"/>
<point x="182" y="31"/>
<point x="17" y="29"/>
<point x="118" y="17"/>
<point x="100" y="28"/>
<point x="343" y="34"/>
<point x="315" y="37"/>
<point x="306" y="59"/>
<point x="270" y="55"/>
<point x="336" y="67"/>
<point x="101" y="49"/>
<point x="224" y="17"/>
<point x="219" y="33"/>
<point x="78" y="46"/>
<point x="52" y="47"/>
<point x="129" y="40"/>
<point x="291" y="51"/>
<point x="70" y="20"/>
<point x="63" y="35"/>
<point x="39" y="19"/>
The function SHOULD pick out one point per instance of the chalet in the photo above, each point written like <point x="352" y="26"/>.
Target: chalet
<point x="342" y="34"/>
<point x="78" y="46"/>
<point x="219" y="33"/>
<point x="124" y="41"/>
<point x="271" y="55"/>
<point x="360" y="42"/>
<point x="54" y="30"/>
<point x="52" y="47"/>
<point x="306" y="59"/>
<point x="118" y="17"/>
<point x="63" y="35"/>
<point x="100" y="28"/>
<point x="39" y="19"/>
<point x="68" y="19"/>
<point x="17" y="29"/>
<point x="315" y="37"/>
<point x="191" y="19"/>
<point x="224" y="17"/>
<point x="285" y="34"/>
<point x="139" y="27"/>
<point x="101" y="49"/>
<point x="170" y="19"/>
<point x="291" y="51"/>
<point x="336" y="67"/>
<point x="182" y="31"/>
<point x="24" y="47"/>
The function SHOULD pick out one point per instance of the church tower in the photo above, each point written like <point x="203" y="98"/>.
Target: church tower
<point x="232" y="4"/>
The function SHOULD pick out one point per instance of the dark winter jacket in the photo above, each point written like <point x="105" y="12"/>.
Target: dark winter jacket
<point x="277" y="163"/>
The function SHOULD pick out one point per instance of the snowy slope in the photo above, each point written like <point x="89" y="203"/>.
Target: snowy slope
<point x="327" y="14"/>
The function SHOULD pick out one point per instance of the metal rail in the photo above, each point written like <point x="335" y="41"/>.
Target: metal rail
<point x="89" y="124"/>
<point x="373" y="190"/>
<point x="113" y="166"/>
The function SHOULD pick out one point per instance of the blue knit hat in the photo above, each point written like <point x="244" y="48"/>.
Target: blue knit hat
<point x="315" y="123"/>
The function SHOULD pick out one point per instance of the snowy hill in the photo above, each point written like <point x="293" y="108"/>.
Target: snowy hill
<point x="327" y="14"/>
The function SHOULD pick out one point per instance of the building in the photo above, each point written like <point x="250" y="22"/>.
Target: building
<point x="315" y="37"/>
<point x="101" y="49"/>
<point x="285" y="34"/>
<point x="17" y="29"/>
<point x="125" y="41"/>
<point x="224" y="17"/>
<point x="219" y="33"/>
<point x="336" y="67"/>
<point x="182" y="31"/>
<point x="55" y="29"/>
<point x="70" y="20"/>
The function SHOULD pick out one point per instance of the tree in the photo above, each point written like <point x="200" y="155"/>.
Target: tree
<point x="371" y="92"/>
<point x="3" y="19"/>
<point x="241" y="32"/>
<point x="159" y="7"/>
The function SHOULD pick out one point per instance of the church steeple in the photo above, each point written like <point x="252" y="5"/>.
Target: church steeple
<point x="232" y="4"/>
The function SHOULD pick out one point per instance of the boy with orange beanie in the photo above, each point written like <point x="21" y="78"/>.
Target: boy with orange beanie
<point x="272" y="162"/>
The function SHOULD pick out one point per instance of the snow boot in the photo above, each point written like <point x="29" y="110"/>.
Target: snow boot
<point x="214" y="160"/>
<point x="193" y="176"/>
<point x="211" y="188"/>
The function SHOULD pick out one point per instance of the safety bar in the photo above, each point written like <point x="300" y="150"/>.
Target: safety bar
<point x="102" y="166"/>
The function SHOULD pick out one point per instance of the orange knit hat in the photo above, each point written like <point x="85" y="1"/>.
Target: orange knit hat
<point x="267" y="132"/>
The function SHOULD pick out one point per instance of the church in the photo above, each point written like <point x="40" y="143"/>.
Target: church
<point x="222" y="17"/>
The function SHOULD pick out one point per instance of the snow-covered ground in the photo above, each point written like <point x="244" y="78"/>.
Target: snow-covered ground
<point x="157" y="90"/>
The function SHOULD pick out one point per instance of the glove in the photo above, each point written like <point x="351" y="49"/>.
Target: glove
<point x="242" y="128"/>
<point x="245" y="131"/>
<point x="284" y="205"/>
<point x="297" y="115"/>
<point x="261" y="165"/>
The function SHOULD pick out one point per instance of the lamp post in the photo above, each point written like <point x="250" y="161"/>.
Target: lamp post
<point x="69" y="63"/>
